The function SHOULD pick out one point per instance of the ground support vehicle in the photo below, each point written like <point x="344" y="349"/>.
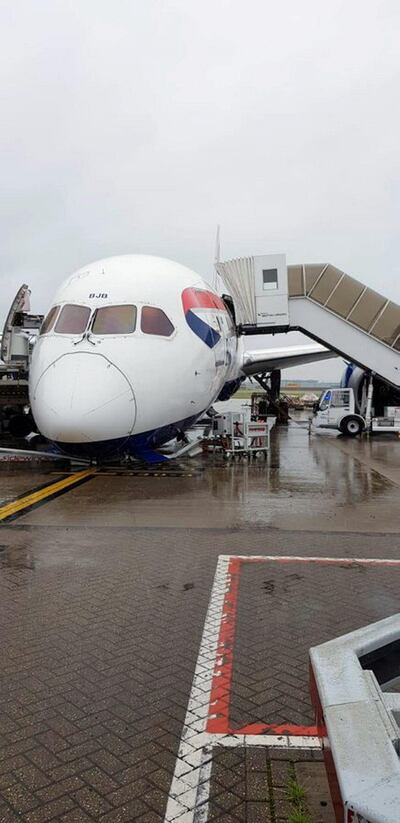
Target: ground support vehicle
<point x="336" y="409"/>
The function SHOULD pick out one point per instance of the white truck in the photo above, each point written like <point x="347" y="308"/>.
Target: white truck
<point x="336" y="409"/>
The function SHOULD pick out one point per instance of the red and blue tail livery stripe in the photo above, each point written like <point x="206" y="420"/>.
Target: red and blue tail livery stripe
<point x="193" y="299"/>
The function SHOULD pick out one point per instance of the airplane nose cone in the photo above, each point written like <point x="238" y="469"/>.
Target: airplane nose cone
<point x="83" y="398"/>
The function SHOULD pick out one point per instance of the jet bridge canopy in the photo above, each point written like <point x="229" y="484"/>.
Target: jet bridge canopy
<point x="321" y="301"/>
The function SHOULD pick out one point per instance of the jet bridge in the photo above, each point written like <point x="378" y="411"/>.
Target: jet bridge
<point x="322" y="302"/>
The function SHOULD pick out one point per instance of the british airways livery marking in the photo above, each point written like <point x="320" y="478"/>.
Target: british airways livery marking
<point x="197" y="304"/>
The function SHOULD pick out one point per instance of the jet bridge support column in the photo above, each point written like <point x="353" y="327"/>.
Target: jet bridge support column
<point x="358" y="721"/>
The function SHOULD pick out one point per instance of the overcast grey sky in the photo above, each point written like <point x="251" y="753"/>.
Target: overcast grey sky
<point x="134" y="126"/>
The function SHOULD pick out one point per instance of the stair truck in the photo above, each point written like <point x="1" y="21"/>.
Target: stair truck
<point x="336" y="409"/>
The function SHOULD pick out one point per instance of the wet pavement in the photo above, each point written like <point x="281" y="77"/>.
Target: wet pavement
<point x="308" y="484"/>
<point x="103" y="596"/>
<point x="294" y="607"/>
<point x="17" y="481"/>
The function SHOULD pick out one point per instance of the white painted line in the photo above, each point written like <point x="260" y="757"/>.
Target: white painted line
<point x="301" y="558"/>
<point x="203" y="790"/>
<point x="275" y="741"/>
<point x="291" y="741"/>
<point x="190" y="786"/>
<point x="185" y="796"/>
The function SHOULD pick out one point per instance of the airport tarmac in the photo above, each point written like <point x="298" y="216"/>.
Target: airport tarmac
<point x="112" y="590"/>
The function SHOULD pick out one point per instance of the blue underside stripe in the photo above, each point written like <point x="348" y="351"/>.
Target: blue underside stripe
<point x="139" y="445"/>
<point x="209" y="336"/>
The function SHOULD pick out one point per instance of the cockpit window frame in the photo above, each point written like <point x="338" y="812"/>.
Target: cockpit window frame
<point x="73" y="333"/>
<point x="154" y="334"/>
<point x="116" y="333"/>
<point x="92" y="313"/>
<point x="56" y="310"/>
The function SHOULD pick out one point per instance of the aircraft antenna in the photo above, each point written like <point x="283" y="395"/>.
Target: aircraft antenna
<point x="217" y="257"/>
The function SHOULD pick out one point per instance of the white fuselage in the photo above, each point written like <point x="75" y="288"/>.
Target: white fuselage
<point x="139" y="374"/>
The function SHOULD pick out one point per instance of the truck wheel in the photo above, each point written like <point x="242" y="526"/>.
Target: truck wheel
<point x="351" y="426"/>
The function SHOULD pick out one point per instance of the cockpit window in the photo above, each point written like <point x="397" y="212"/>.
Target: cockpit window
<point x="72" y="320"/>
<point x="115" y="320"/>
<point x="155" y="321"/>
<point x="48" y="321"/>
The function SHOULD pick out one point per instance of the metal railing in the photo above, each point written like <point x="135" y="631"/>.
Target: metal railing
<point x="348" y="299"/>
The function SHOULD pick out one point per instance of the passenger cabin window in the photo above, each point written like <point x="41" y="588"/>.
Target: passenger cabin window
<point x="48" y="321"/>
<point x="155" y="321"/>
<point x="72" y="320"/>
<point x="115" y="320"/>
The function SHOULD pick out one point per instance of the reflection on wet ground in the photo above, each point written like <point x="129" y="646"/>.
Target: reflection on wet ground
<point x="306" y="484"/>
<point x="16" y="480"/>
<point x="380" y="453"/>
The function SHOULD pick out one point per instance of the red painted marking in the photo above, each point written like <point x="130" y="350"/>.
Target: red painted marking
<point x="319" y="715"/>
<point x="274" y="728"/>
<point x="201" y="299"/>
<point x="334" y="788"/>
<point x="329" y="763"/>
<point x="218" y="710"/>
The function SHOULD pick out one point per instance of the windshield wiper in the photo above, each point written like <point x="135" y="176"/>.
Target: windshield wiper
<point x="85" y="336"/>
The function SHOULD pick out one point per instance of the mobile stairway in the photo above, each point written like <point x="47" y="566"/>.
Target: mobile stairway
<point x="322" y="302"/>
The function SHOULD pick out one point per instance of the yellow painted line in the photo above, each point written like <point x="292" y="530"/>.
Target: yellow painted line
<point x="36" y="497"/>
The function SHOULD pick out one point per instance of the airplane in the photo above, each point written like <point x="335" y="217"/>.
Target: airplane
<point x="133" y="351"/>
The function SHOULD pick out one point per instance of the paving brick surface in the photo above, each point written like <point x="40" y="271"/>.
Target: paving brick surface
<point x="100" y="632"/>
<point x="282" y="611"/>
<point x="95" y="674"/>
<point x="259" y="785"/>
<point x="313" y="778"/>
